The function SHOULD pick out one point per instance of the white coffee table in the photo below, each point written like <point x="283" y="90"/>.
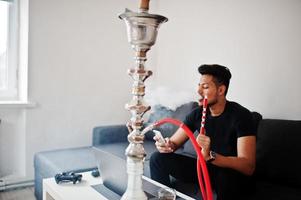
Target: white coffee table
<point x="83" y="189"/>
<point x="70" y="191"/>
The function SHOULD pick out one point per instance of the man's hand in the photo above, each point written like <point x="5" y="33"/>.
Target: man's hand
<point x="167" y="147"/>
<point x="204" y="142"/>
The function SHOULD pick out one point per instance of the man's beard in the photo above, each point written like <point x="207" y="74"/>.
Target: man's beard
<point x="212" y="103"/>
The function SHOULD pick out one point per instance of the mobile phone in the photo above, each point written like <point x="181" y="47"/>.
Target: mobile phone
<point x="159" y="135"/>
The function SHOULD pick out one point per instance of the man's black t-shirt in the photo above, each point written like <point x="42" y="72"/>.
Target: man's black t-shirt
<point x="223" y="130"/>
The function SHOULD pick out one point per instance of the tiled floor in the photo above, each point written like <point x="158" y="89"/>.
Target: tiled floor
<point x="18" y="194"/>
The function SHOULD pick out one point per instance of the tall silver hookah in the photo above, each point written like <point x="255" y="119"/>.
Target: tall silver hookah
<point x="142" y="29"/>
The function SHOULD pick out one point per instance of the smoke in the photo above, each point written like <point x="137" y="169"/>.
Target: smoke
<point x="169" y="97"/>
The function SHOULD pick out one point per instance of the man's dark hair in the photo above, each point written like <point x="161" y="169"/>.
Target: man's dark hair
<point x="221" y="74"/>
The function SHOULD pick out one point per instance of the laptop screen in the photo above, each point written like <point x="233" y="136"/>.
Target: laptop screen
<point x="112" y="170"/>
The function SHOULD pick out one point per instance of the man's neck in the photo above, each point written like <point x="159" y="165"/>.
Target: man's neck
<point x="218" y="108"/>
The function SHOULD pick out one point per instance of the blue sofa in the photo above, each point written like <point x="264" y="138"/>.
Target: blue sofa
<point x="277" y="175"/>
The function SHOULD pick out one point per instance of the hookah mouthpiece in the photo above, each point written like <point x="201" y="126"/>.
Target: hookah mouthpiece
<point x="205" y="103"/>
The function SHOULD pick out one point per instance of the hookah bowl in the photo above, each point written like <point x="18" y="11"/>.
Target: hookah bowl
<point x="142" y="29"/>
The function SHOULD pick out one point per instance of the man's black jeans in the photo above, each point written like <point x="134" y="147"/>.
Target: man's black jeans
<point x="227" y="183"/>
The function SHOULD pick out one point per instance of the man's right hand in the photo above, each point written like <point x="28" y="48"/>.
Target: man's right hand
<point x="204" y="142"/>
<point x="167" y="147"/>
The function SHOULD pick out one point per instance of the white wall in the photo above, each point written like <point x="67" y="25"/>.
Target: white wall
<point x="78" y="56"/>
<point x="12" y="142"/>
<point x="258" y="40"/>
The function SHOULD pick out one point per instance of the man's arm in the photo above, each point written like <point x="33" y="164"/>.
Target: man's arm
<point x="246" y="156"/>
<point x="178" y="138"/>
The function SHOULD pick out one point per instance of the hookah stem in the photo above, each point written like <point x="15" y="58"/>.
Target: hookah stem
<point x="205" y="103"/>
<point x="201" y="164"/>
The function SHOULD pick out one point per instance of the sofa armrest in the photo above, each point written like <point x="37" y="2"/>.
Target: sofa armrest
<point x="109" y="134"/>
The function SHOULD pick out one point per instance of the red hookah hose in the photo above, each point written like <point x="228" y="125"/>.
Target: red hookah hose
<point x="201" y="164"/>
<point x="200" y="179"/>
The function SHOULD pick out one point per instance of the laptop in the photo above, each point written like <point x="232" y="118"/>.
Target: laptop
<point x="112" y="170"/>
<point x="113" y="173"/>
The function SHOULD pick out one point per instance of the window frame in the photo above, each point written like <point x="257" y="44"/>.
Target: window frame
<point x="17" y="90"/>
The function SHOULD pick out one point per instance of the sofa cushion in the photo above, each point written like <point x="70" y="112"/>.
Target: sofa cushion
<point x="161" y="112"/>
<point x="109" y="134"/>
<point x="56" y="161"/>
<point x="278" y="150"/>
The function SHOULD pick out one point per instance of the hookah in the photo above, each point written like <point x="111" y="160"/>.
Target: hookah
<point x="142" y="29"/>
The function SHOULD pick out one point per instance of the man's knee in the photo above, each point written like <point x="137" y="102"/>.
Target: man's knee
<point x="161" y="162"/>
<point x="157" y="158"/>
<point x="154" y="156"/>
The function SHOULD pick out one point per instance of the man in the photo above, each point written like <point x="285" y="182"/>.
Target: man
<point x="228" y="146"/>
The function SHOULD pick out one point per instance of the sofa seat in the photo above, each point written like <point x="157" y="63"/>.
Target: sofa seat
<point x="49" y="163"/>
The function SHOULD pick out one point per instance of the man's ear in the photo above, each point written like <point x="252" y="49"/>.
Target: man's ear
<point x="221" y="90"/>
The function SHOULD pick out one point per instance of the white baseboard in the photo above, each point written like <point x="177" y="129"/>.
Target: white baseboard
<point x="14" y="182"/>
